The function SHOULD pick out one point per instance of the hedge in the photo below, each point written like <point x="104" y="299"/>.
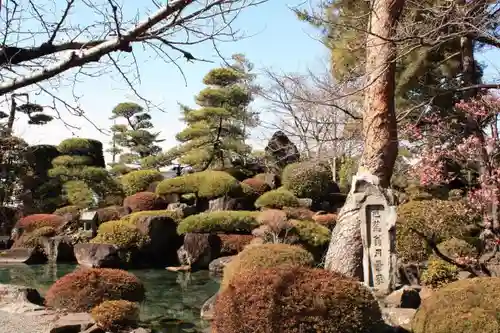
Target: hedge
<point x="120" y="233"/>
<point x="219" y="221"/>
<point x="277" y="199"/>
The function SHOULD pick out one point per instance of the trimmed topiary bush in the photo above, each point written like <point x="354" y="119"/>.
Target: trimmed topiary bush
<point x="311" y="233"/>
<point x="139" y="180"/>
<point x="219" y="221"/>
<point x="73" y="210"/>
<point x="277" y="199"/>
<point x="176" y="216"/>
<point x="144" y="201"/>
<point x="327" y="220"/>
<point x="309" y="180"/>
<point x="444" y="219"/>
<point x="455" y="248"/>
<point x="298" y="213"/>
<point x="265" y="256"/>
<point x="464" y="306"/>
<point x="232" y="244"/>
<point x="439" y="273"/>
<point x="33" y="239"/>
<point x="206" y="184"/>
<point x="256" y="186"/>
<point x="116" y="315"/>
<point x="111" y="213"/>
<point x="84" y="289"/>
<point x="123" y="234"/>
<point x="296" y="299"/>
<point x="35" y="221"/>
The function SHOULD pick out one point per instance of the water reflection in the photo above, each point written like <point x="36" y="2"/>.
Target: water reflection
<point x="173" y="300"/>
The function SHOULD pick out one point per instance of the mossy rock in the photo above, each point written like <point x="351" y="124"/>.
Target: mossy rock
<point x="464" y="306"/>
<point x="219" y="221"/>
<point x="309" y="180"/>
<point x="277" y="199"/>
<point x="295" y="299"/>
<point x="266" y="256"/>
<point x="206" y="184"/>
<point x="441" y="218"/>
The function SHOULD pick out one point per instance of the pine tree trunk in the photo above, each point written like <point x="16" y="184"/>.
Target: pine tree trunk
<point x="345" y="253"/>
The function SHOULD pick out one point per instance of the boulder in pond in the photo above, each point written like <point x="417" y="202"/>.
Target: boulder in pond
<point x="29" y="256"/>
<point x="216" y="266"/>
<point x="199" y="250"/>
<point x="59" y="248"/>
<point x="97" y="255"/>
<point x="164" y="240"/>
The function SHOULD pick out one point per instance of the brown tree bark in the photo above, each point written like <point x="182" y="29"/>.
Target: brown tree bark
<point x="345" y="253"/>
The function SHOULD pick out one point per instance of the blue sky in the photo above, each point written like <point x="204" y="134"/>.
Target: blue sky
<point x="277" y="40"/>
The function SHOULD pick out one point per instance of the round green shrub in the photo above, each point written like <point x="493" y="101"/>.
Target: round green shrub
<point x="266" y="256"/>
<point x="78" y="193"/>
<point x="84" y="289"/>
<point x="116" y="315"/>
<point x="296" y="299"/>
<point x="71" y="161"/>
<point x="439" y="273"/>
<point x="464" y="306"/>
<point x="444" y="219"/>
<point x="123" y="234"/>
<point x="309" y="180"/>
<point x="86" y="147"/>
<point x="219" y="221"/>
<point x="206" y="184"/>
<point x="311" y="233"/>
<point x="455" y="248"/>
<point x="277" y="199"/>
<point x="139" y="180"/>
<point x="133" y="218"/>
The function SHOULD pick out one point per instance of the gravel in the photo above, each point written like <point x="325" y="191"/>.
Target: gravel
<point x="25" y="323"/>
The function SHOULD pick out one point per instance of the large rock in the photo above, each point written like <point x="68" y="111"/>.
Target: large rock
<point x="10" y="293"/>
<point x="406" y="297"/>
<point x="72" y="323"/>
<point x="216" y="266"/>
<point x="162" y="230"/>
<point x="223" y="203"/>
<point x="199" y="250"/>
<point x="29" y="256"/>
<point x="207" y="310"/>
<point x="280" y="152"/>
<point x="184" y="209"/>
<point x="97" y="255"/>
<point x="59" y="248"/>
<point x="400" y="319"/>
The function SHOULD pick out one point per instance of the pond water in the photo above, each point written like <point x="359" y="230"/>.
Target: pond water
<point x="173" y="300"/>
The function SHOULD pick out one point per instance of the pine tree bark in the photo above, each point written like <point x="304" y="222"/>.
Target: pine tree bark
<point x="345" y="253"/>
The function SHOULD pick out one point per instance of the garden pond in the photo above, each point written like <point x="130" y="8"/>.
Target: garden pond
<point x="173" y="299"/>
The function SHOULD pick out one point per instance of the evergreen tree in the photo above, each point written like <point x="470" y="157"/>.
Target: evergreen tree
<point x="216" y="131"/>
<point x="134" y="139"/>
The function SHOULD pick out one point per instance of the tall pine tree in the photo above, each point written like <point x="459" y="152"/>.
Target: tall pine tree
<point x="216" y="131"/>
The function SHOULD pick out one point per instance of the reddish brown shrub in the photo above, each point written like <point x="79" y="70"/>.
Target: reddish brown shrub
<point x="111" y="213"/>
<point x="144" y="201"/>
<point x="298" y="213"/>
<point x="35" y="221"/>
<point x="259" y="186"/>
<point x="116" y="315"/>
<point x="328" y="220"/>
<point x="294" y="300"/>
<point x="233" y="244"/>
<point x="83" y="289"/>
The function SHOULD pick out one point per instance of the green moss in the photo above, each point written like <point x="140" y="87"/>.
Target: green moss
<point x="309" y="180"/>
<point x="277" y="199"/>
<point x="139" y="180"/>
<point x="206" y="184"/>
<point x="443" y="219"/>
<point x="220" y="221"/>
<point x="464" y="306"/>
<point x="266" y="256"/>
<point x="132" y="218"/>
<point x="311" y="232"/>
<point x="439" y="273"/>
